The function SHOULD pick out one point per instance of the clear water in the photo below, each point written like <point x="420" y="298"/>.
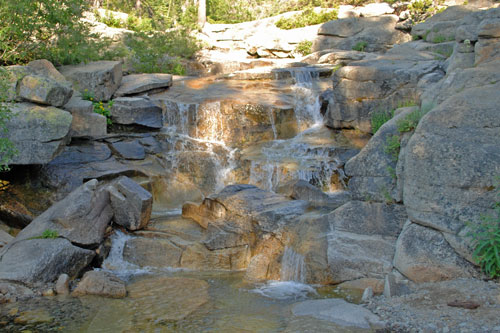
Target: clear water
<point x="231" y="305"/>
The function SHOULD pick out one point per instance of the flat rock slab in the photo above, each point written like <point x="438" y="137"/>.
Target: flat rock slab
<point x="130" y="150"/>
<point x="140" y="83"/>
<point x="100" y="283"/>
<point x="99" y="78"/>
<point x="42" y="260"/>
<point x="136" y="111"/>
<point x="339" y="312"/>
<point x="37" y="132"/>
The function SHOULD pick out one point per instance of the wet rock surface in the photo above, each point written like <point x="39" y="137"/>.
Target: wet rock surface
<point x="101" y="284"/>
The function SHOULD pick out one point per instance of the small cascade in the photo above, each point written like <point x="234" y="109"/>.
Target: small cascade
<point x="292" y="266"/>
<point x="115" y="262"/>
<point x="306" y="99"/>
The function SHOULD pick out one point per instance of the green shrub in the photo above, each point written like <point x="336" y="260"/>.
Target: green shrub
<point x="410" y="121"/>
<point x="34" y="29"/>
<point x="392" y="146"/>
<point x="160" y="52"/>
<point x="485" y="237"/>
<point x="378" y="118"/>
<point x="360" y="46"/>
<point x="104" y="109"/>
<point x="304" y="47"/>
<point x="305" y="18"/>
<point x="420" y="10"/>
<point x="110" y="20"/>
<point x="49" y="233"/>
<point x="224" y="11"/>
<point x="138" y="24"/>
<point x="7" y="149"/>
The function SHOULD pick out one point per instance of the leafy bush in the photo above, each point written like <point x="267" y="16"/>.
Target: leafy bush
<point x="360" y="46"/>
<point x="485" y="237"/>
<point x="7" y="149"/>
<point x="110" y="20"/>
<point x="49" y="233"/>
<point x="420" y="10"/>
<point x="378" y="118"/>
<point x="160" y="52"/>
<point x="410" y="121"/>
<point x="34" y="29"/>
<point x="104" y="109"/>
<point x="392" y="147"/>
<point x="304" y="47"/>
<point x="305" y="18"/>
<point x="223" y="11"/>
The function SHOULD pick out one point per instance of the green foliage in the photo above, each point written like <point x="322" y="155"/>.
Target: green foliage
<point x="410" y="121"/>
<point x="360" y="46"/>
<point x="104" y="109"/>
<point x="307" y="17"/>
<point x="110" y="20"/>
<point x="390" y="170"/>
<point x="378" y="118"/>
<point x="485" y="237"/>
<point x="160" y="52"/>
<point x="420" y="10"/>
<point x="139" y="24"/>
<point x="392" y="146"/>
<point x="387" y="196"/>
<point x="439" y="39"/>
<point x="7" y="149"/>
<point x="304" y="47"/>
<point x="156" y="15"/>
<point x="224" y="11"/>
<point x="49" y="233"/>
<point x="34" y="29"/>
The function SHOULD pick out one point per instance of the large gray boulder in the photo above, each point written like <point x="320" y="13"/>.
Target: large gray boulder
<point x="448" y="180"/>
<point x="361" y="241"/>
<point x="424" y="255"/>
<point x="140" y="83"/>
<point x="131" y="204"/>
<point x="99" y="78"/>
<point x="38" y="133"/>
<point x="136" y="111"/>
<point x="81" y="217"/>
<point x="34" y="261"/>
<point x="383" y="83"/>
<point x="44" y="90"/>
<point x="374" y="172"/>
<point x="442" y="25"/>
<point x="376" y="33"/>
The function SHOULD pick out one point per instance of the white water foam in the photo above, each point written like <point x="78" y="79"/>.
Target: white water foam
<point x="116" y="264"/>
<point x="284" y="290"/>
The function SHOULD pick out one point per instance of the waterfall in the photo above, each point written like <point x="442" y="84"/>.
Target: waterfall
<point x="115" y="262"/>
<point x="306" y="100"/>
<point x="292" y="266"/>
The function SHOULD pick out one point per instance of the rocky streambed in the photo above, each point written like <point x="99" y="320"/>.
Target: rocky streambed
<point x="257" y="199"/>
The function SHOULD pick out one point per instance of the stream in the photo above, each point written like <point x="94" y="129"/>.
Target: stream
<point x="204" y="146"/>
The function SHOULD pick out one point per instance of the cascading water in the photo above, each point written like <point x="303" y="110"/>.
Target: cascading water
<point x="293" y="267"/>
<point x="115" y="262"/>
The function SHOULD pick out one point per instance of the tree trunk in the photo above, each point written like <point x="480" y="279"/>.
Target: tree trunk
<point x="138" y="5"/>
<point x="202" y="13"/>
